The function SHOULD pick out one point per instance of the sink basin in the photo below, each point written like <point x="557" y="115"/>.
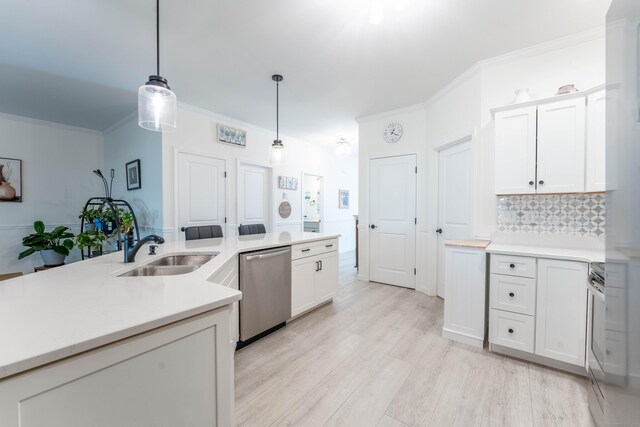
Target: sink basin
<point x="160" y="270"/>
<point x="186" y="259"/>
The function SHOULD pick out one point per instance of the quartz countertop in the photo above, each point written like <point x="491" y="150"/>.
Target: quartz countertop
<point x="476" y="244"/>
<point x="569" y="254"/>
<point x="57" y="313"/>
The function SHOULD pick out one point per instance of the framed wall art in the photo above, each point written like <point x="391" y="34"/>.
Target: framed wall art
<point x="343" y="199"/>
<point x="10" y="180"/>
<point x="134" y="181"/>
<point x="229" y="135"/>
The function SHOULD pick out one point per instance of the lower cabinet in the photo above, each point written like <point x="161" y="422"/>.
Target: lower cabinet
<point x="541" y="311"/>
<point x="561" y="310"/>
<point x="171" y="376"/>
<point x="314" y="280"/>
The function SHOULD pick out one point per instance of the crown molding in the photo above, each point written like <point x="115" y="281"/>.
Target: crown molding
<point x="46" y="123"/>
<point x="120" y="123"/>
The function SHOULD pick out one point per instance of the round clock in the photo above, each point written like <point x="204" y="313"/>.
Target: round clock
<point x="392" y="132"/>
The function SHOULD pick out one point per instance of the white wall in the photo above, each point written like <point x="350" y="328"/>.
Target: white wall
<point x="57" y="181"/>
<point x="196" y="134"/>
<point x="124" y="142"/>
<point x="462" y="109"/>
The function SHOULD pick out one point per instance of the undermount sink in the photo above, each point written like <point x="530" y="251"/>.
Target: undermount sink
<point x="161" y="270"/>
<point x="171" y="265"/>
<point x="186" y="259"/>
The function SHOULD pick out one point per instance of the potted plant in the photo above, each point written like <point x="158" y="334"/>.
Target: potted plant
<point x="89" y="215"/>
<point x="125" y="217"/>
<point x="54" y="246"/>
<point x="92" y="240"/>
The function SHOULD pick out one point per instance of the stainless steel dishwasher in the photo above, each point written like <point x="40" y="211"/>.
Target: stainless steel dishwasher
<point x="265" y="283"/>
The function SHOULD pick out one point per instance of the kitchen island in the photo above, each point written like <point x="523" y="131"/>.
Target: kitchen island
<point x="80" y="345"/>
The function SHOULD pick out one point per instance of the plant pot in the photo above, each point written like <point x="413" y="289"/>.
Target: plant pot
<point x="90" y="227"/>
<point x="51" y="258"/>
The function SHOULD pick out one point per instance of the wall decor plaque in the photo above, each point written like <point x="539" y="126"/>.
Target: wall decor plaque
<point x="284" y="209"/>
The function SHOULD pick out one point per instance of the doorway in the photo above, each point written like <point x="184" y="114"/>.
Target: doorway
<point x="255" y="199"/>
<point x="201" y="196"/>
<point x="455" y="198"/>
<point x="392" y="228"/>
<point x="312" y="203"/>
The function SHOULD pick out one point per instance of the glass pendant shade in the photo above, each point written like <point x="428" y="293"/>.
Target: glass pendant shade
<point x="157" y="107"/>
<point x="343" y="148"/>
<point x="277" y="153"/>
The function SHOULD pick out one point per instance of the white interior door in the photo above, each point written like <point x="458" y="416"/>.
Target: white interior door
<point x="392" y="234"/>
<point x="201" y="191"/>
<point x="254" y="195"/>
<point x="455" y="192"/>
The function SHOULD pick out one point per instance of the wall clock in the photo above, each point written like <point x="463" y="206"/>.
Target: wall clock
<point x="392" y="132"/>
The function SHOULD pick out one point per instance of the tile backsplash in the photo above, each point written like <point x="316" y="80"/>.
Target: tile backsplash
<point x="576" y="214"/>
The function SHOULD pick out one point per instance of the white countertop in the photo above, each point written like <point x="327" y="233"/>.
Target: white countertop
<point x="569" y="254"/>
<point x="64" y="311"/>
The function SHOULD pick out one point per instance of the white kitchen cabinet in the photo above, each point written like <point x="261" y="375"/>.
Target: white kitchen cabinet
<point x="314" y="275"/>
<point x="553" y="145"/>
<point x="175" y="375"/>
<point x="515" y="139"/>
<point x="561" y="146"/>
<point x="595" y="151"/>
<point x="465" y="290"/>
<point x="561" y="311"/>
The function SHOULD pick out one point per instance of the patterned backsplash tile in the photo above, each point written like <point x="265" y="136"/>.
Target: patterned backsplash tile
<point x="577" y="214"/>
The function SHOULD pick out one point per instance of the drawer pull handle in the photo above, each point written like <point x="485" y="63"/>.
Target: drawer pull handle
<point x="306" y="250"/>
<point x="510" y="330"/>
<point x="328" y="246"/>
<point x="512" y="266"/>
<point x="511" y="294"/>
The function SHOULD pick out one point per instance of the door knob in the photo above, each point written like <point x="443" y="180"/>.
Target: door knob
<point x="373" y="226"/>
<point x="511" y="294"/>
<point x="439" y="230"/>
<point x="541" y="182"/>
<point x="531" y="183"/>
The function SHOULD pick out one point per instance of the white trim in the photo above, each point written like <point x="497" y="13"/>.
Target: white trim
<point x="535" y="102"/>
<point x="54" y="125"/>
<point x="120" y="122"/>
<point x="463" y="338"/>
<point x="397" y="111"/>
<point x="29" y="227"/>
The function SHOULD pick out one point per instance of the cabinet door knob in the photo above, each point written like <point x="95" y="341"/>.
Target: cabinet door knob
<point x="317" y="265"/>
<point x="439" y="230"/>
<point x="531" y="182"/>
<point x="511" y="294"/>
<point x="510" y="330"/>
<point x="373" y="226"/>
<point x="320" y="265"/>
<point x="512" y="266"/>
<point x="541" y="182"/>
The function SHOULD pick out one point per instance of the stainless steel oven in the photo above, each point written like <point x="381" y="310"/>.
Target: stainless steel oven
<point x="597" y="349"/>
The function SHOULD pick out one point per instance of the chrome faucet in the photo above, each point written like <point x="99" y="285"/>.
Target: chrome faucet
<point x="130" y="252"/>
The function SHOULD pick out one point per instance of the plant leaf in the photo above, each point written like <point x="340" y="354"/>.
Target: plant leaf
<point x="26" y="253"/>
<point x="61" y="250"/>
<point x="68" y="244"/>
<point x="39" y="227"/>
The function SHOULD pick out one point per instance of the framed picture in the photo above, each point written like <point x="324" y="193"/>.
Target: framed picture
<point x="343" y="199"/>
<point x="289" y="183"/>
<point x="228" y="135"/>
<point x="282" y="182"/>
<point x="133" y="175"/>
<point x="294" y="183"/>
<point x="10" y="180"/>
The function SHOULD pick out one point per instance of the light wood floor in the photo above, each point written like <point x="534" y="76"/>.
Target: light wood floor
<point x="376" y="357"/>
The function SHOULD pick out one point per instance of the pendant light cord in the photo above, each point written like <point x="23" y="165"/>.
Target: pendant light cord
<point x="157" y="37"/>
<point x="278" y="111"/>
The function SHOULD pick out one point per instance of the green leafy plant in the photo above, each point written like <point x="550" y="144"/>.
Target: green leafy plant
<point x="126" y="218"/>
<point x="58" y="240"/>
<point x="89" y="214"/>
<point x="90" y="239"/>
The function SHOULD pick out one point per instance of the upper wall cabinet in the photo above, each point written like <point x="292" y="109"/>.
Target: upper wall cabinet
<point x="542" y="147"/>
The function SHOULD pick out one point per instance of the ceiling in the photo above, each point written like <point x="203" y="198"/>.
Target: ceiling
<point x="80" y="62"/>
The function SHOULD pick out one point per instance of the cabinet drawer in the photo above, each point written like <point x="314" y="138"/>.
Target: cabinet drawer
<point x="511" y="330"/>
<point x="313" y="248"/>
<point x="515" y="294"/>
<point x="513" y="265"/>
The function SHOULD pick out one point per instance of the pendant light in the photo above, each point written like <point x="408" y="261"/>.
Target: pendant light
<point x="343" y="148"/>
<point x="157" y="104"/>
<point x="277" y="154"/>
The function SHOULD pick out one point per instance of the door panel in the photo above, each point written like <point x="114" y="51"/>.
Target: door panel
<point x="515" y="139"/>
<point x="254" y="195"/>
<point x="393" y="212"/>
<point x="455" y="191"/>
<point x="327" y="278"/>
<point x="201" y="190"/>
<point x="561" y="310"/>
<point x="303" y="279"/>
<point x="561" y="146"/>
<point x="595" y="152"/>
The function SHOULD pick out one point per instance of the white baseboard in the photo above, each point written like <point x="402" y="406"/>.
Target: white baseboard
<point x="465" y="339"/>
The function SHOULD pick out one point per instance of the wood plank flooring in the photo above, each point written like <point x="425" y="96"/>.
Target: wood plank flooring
<point x="376" y="357"/>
